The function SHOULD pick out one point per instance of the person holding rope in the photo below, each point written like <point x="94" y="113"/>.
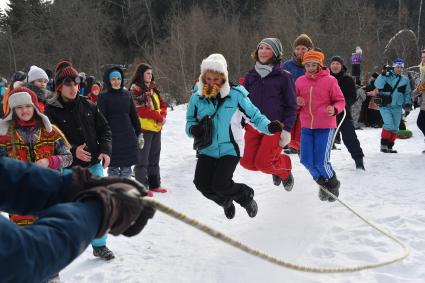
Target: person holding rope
<point x="72" y="209"/>
<point x="214" y="114"/>
<point x="320" y="99"/>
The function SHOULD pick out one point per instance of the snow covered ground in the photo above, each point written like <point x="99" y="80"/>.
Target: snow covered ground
<point x="295" y="226"/>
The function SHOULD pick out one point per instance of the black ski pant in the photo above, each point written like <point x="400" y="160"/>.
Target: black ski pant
<point x="214" y="179"/>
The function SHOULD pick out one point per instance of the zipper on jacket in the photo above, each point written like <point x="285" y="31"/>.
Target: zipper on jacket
<point x="309" y="108"/>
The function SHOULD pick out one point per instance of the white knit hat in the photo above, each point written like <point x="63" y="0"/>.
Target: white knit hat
<point x="19" y="99"/>
<point x="36" y="73"/>
<point x="216" y="62"/>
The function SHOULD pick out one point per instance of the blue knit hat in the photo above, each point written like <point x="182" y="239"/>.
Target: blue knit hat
<point x="399" y="62"/>
<point x="115" y="74"/>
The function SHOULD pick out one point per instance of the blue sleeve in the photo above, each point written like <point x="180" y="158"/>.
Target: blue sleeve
<point x="26" y="187"/>
<point x="35" y="252"/>
<point x="380" y="82"/>
<point x="191" y="115"/>
<point x="251" y="111"/>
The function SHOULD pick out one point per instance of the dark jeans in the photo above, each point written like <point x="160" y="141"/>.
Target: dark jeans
<point x="214" y="179"/>
<point x="421" y="121"/>
<point x="147" y="170"/>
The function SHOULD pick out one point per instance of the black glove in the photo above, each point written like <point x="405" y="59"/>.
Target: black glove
<point x="123" y="211"/>
<point x="83" y="180"/>
<point x="275" y="127"/>
<point x="197" y="131"/>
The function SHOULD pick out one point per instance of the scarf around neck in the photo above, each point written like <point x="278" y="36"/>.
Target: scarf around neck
<point x="263" y="70"/>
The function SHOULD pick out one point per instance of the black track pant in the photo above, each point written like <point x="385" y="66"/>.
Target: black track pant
<point x="214" y="179"/>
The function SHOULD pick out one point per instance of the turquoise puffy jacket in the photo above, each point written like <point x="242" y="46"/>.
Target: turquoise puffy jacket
<point x="227" y="133"/>
<point x="400" y="96"/>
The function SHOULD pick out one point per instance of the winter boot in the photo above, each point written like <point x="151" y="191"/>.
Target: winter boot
<point x="229" y="209"/>
<point x="276" y="180"/>
<point x="359" y="164"/>
<point x="387" y="146"/>
<point x="288" y="183"/>
<point x="103" y="252"/>
<point x="390" y="147"/>
<point x="323" y="196"/>
<point x="251" y="208"/>
<point x="290" y="150"/>
<point x="333" y="187"/>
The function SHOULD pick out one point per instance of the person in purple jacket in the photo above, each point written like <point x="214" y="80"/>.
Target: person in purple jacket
<point x="272" y="90"/>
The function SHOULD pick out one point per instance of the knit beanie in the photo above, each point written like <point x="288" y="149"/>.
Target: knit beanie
<point x="274" y="44"/>
<point x="313" y="56"/>
<point x="303" y="40"/>
<point x="36" y="73"/>
<point x="337" y="59"/>
<point x="64" y="70"/>
<point x="114" y="74"/>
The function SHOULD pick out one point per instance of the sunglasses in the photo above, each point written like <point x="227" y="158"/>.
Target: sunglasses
<point x="68" y="81"/>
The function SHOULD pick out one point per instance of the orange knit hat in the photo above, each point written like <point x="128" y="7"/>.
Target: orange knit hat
<point x="313" y="56"/>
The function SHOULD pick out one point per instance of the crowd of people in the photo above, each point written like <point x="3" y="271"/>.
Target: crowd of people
<point x="80" y="128"/>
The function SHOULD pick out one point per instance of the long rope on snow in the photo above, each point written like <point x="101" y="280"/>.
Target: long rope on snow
<point x="228" y="240"/>
<point x="237" y="244"/>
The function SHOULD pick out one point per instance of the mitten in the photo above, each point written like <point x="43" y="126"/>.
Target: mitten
<point x="123" y="211"/>
<point x="275" y="127"/>
<point x="285" y="138"/>
<point x="82" y="180"/>
<point x="141" y="141"/>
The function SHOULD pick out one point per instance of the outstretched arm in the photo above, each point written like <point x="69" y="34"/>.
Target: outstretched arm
<point x="26" y="187"/>
<point x="35" y="252"/>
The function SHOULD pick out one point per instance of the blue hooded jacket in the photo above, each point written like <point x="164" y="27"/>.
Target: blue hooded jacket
<point x="400" y="96"/>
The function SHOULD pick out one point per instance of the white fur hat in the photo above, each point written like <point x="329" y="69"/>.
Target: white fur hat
<point x="216" y="62"/>
<point x="36" y="73"/>
<point x="19" y="98"/>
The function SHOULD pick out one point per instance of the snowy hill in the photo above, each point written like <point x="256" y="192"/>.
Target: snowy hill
<point x="295" y="226"/>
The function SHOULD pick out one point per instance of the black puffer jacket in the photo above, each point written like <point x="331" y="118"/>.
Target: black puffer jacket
<point x="118" y="108"/>
<point x="81" y="122"/>
<point x="348" y="88"/>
